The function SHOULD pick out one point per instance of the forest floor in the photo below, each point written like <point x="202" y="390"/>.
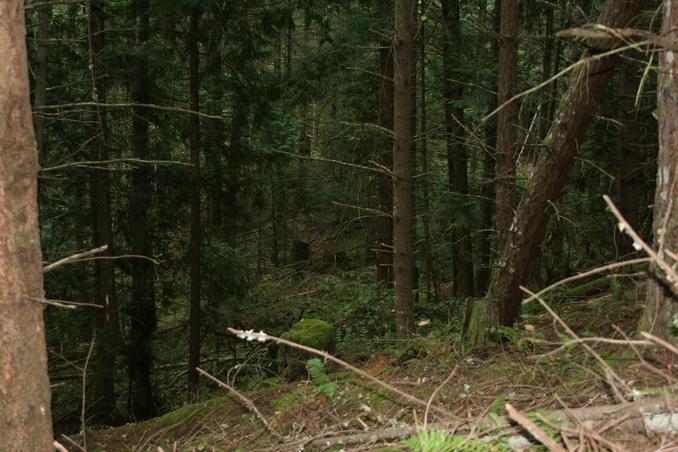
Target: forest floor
<point x="355" y="414"/>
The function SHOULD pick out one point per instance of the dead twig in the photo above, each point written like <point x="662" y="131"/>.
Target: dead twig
<point x="435" y="393"/>
<point x="244" y="401"/>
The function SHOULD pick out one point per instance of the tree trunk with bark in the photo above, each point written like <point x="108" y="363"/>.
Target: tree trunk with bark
<point x="194" y="341"/>
<point x="108" y="333"/>
<point x="403" y="233"/>
<point x="487" y="204"/>
<point x="661" y="305"/>
<point x="385" y="153"/>
<point x="501" y="305"/>
<point x="25" y="419"/>
<point x="142" y="312"/>
<point x="457" y="156"/>
<point x="40" y="99"/>
<point x="507" y="120"/>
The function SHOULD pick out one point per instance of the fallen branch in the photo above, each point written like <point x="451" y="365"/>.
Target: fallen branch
<point x="263" y="337"/>
<point x="637" y="417"/>
<point x="244" y="401"/>
<point x="533" y="429"/>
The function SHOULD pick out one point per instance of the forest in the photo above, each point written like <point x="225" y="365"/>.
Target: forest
<point x="284" y="225"/>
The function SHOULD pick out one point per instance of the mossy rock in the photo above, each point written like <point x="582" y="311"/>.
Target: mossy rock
<point x="310" y="332"/>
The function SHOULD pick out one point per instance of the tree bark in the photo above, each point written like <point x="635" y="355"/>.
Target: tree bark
<point x="194" y="341"/>
<point x="487" y="203"/>
<point x="143" y="315"/>
<point x="25" y="419"/>
<point x="385" y="188"/>
<point x="457" y="157"/>
<point x="429" y="270"/>
<point x="40" y="99"/>
<point x="507" y="120"/>
<point x="403" y="234"/>
<point x="501" y="305"/>
<point x="108" y="336"/>
<point x="661" y="310"/>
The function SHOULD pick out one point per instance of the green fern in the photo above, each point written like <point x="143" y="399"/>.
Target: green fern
<point x="433" y="440"/>
<point x="318" y="373"/>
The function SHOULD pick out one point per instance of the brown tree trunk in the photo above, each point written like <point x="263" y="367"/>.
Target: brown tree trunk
<point x="630" y="172"/>
<point x="661" y="307"/>
<point x="507" y="119"/>
<point x="108" y="337"/>
<point x="547" y="68"/>
<point x="429" y="271"/>
<point x="502" y="303"/>
<point x="25" y="419"/>
<point x="40" y="99"/>
<point x="403" y="234"/>
<point x="457" y="157"/>
<point x="487" y="205"/>
<point x="385" y="189"/>
<point x="194" y="340"/>
<point x="143" y="315"/>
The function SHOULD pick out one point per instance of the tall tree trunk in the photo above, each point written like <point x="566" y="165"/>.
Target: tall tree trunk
<point x="487" y="203"/>
<point x="429" y="271"/>
<point x="502" y="303"/>
<point x="385" y="188"/>
<point x="143" y="315"/>
<point x="40" y="99"/>
<point x="661" y="307"/>
<point x="194" y="341"/>
<point x="25" y="419"/>
<point x="403" y="234"/>
<point x="507" y="120"/>
<point x="630" y="173"/>
<point x="457" y="156"/>
<point x="547" y="71"/>
<point x="108" y="337"/>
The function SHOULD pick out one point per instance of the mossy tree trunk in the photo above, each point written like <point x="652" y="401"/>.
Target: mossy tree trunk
<point x="577" y="107"/>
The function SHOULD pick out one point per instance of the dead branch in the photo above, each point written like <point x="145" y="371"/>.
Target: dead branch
<point x="586" y="274"/>
<point x="244" y="401"/>
<point x="263" y="337"/>
<point x="99" y="163"/>
<point x="99" y="105"/>
<point x="670" y="276"/>
<point x="74" y="257"/>
<point x="613" y="379"/>
<point x="533" y="429"/>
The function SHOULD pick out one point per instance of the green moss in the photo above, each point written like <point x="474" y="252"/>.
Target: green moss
<point x="181" y="414"/>
<point x="310" y="332"/>
<point x="313" y="333"/>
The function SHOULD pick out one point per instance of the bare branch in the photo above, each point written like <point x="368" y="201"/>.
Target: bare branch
<point x="74" y="257"/>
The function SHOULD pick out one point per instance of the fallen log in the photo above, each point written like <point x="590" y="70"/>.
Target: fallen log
<point x="656" y="414"/>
